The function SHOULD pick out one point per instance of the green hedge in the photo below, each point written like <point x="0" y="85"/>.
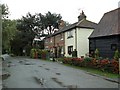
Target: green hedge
<point x="42" y="54"/>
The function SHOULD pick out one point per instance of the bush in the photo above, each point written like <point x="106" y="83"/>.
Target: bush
<point x="102" y="64"/>
<point x="97" y="54"/>
<point x="32" y="53"/>
<point x="78" y="61"/>
<point x="117" y="55"/>
<point x="115" y="66"/>
<point x="44" y="54"/>
<point x="88" y="61"/>
<point x="67" y="60"/>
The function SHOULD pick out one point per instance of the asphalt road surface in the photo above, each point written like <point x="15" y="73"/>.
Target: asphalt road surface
<point x="23" y="72"/>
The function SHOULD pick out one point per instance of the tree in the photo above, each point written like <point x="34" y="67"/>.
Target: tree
<point x="27" y="27"/>
<point x="5" y="11"/>
<point x="8" y="33"/>
<point x="8" y="29"/>
<point x="50" y="22"/>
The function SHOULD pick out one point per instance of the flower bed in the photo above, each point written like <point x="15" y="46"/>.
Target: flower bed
<point x="104" y="64"/>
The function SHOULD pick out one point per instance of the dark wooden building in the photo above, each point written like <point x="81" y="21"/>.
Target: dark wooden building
<point x="106" y="36"/>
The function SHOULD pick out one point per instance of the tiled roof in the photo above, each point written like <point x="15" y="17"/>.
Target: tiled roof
<point x="108" y="25"/>
<point x="81" y="24"/>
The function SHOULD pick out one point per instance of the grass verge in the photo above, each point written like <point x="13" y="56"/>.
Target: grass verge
<point x="95" y="71"/>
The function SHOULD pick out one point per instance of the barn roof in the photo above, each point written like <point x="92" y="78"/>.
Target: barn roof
<point x="108" y="25"/>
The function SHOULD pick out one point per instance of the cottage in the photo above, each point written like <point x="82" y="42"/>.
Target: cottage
<point x="71" y="37"/>
<point x="76" y="36"/>
<point x="106" y="36"/>
<point x="56" y="43"/>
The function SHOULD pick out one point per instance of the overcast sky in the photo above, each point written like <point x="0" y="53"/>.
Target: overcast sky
<point x="69" y="9"/>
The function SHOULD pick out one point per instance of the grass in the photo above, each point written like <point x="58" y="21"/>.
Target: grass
<point x="95" y="71"/>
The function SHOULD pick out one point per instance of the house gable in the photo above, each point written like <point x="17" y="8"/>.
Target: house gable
<point x="108" y="25"/>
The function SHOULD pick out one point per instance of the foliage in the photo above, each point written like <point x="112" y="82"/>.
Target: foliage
<point x="42" y="54"/>
<point x="50" y="21"/>
<point x="32" y="53"/>
<point x="5" y="11"/>
<point x="8" y="33"/>
<point x="97" y="53"/>
<point x="104" y="65"/>
<point x="117" y="55"/>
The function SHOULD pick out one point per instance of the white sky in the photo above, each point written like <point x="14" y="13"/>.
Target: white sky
<point x="69" y="9"/>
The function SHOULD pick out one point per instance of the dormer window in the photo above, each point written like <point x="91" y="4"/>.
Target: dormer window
<point x="70" y="34"/>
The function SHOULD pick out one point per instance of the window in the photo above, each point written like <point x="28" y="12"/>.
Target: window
<point x="51" y="40"/>
<point x="113" y="46"/>
<point x="46" y="41"/>
<point x="70" y="34"/>
<point x="61" y="36"/>
<point x="70" y="50"/>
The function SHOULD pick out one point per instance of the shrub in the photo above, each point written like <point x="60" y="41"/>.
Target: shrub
<point x="44" y="54"/>
<point x="117" y="55"/>
<point x="97" y="54"/>
<point x="78" y="61"/>
<point x="32" y="53"/>
<point x="67" y="60"/>
<point x="104" y="65"/>
<point x="87" y="61"/>
<point x="115" y="66"/>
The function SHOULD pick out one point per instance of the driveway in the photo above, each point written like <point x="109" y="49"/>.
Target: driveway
<point x="35" y="73"/>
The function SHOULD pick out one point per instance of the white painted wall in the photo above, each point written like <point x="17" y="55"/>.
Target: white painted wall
<point x="83" y="41"/>
<point x="69" y="42"/>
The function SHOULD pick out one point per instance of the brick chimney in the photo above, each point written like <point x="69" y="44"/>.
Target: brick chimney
<point x="81" y="16"/>
<point x="61" y="24"/>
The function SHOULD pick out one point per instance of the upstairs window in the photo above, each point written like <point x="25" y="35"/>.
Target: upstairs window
<point x="61" y="36"/>
<point x="70" y="34"/>
<point x="70" y="50"/>
<point x="51" y="40"/>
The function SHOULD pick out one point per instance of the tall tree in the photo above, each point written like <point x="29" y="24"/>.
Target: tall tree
<point x="49" y="22"/>
<point x="5" y="11"/>
<point x="8" y="29"/>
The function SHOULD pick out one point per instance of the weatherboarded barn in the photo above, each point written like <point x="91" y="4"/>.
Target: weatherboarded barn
<point x="106" y="36"/>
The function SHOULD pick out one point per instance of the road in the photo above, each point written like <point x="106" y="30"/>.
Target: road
<point x="35" y="73"/>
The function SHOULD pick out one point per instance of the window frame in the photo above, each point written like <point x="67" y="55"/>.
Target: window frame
<point x="70" y="50"/>
<point x="70" y="34"/>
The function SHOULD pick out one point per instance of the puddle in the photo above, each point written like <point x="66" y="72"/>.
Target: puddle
<point x="58" y="73"/>
<point x="39" y="66"/>
<point x="9" y="65"/>
<point x="9" y="62"/>
<point x="72" y="87"/>
<point x="47" y="69"/>
<point x="5" y="76"/>
<point x="28" y="63"/>
<point x="57" y="81"/>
